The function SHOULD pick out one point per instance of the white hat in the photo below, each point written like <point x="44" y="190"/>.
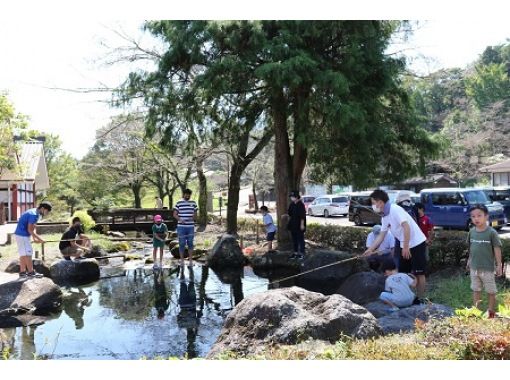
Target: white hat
<point x="403" y="195"/>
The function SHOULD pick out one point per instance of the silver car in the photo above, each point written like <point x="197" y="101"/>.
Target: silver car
<point x="329" y="205"/>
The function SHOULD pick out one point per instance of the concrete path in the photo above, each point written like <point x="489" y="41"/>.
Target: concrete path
<point x="5" y="229"/>
<point x="8" y="277"/>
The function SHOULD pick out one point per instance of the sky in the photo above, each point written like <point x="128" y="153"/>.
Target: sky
<point x="42" y="54"/>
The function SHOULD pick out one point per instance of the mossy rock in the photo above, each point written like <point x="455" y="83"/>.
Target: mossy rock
<point x="119" y="247"/>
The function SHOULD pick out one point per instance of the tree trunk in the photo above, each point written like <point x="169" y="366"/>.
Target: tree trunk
<point x="254" y="190"/>
<point x="137" y="190"/>
<point x="301" y="113"/>
<point x="330" y="186"/>
<point x="202" y="196"/>
<point x="282" y="166"/>
<point x="234" y="186"/>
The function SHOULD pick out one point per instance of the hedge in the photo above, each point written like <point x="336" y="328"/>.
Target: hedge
<point x="449" y="248"/>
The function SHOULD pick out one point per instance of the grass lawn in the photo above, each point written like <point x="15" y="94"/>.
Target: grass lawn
<point x="51" y="251"/>
<point x="455" y="291"/>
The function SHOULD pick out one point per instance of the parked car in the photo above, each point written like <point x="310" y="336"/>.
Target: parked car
<point x="450" y="207"/>
<point x="307" y="199"/>
<point x="360" y="208"/>
<point x="329" y="205"/>
<point x="500" y="195"/>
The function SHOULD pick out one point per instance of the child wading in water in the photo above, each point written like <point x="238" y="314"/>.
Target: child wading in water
<point x="397" y="288"/>
<point x="484" y="257"/>
<point x="270" y="227"/>
<point x="159" y="234"/>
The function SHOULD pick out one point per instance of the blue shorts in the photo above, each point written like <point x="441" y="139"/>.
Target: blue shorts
<point x="185" y="235"/>
<point x="270" y="236"/>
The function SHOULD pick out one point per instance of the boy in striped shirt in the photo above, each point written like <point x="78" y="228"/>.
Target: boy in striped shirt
<point x="185" y="211"/>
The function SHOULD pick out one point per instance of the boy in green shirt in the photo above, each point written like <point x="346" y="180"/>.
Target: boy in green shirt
<point x="484" y="246"/>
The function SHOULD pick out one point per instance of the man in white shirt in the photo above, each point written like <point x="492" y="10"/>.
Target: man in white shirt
<point x="385" y="251"/>
<point x="404" y="228"/>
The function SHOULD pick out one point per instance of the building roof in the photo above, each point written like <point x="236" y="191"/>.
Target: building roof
<point x="31" y="166"/>
<point x="500" y="167"/>
<point x="430" y="178"/>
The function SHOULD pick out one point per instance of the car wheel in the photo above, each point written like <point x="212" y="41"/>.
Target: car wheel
<point x="326" y="213"/>
<point x="357" y="220"/>
<point x="310" y="213"/>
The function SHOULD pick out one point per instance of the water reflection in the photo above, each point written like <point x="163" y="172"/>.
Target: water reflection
<point x="27" y="348"/>
<point x="134" y="314"/>
<point x="74" y="304"/>
<point x="161" y="298"/>
<point x="232" y="277"/>
<point x="188" y="317"/>
<point x="130" y="296"/>
<point x="278" y="278"/>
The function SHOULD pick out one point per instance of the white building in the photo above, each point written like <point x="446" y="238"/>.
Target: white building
<point x="18" y="188"/>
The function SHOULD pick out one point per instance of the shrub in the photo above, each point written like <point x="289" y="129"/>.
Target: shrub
<point x="86" y="220"/>
<point x="449" y="248"/>
<point x="488" y="347"/>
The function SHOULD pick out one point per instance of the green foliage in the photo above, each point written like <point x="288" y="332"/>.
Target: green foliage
<point x="489" y="84"/>
<point x="119" y="247"/>
<point x="6" y="353"/>
<point x="11" y="124"/>
<point x="469" y="312"/>
<point x="86" y="220"/>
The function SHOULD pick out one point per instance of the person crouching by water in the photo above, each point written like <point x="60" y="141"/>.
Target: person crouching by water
<point x="397" y="287"/>
<point x="412" y="241"/>
<point x="297" y="224"/>
<point x="270" y="227"/>
<point x="385" y="250"/>
<point x="74" y="242"/>
<point x="159" y="235"/>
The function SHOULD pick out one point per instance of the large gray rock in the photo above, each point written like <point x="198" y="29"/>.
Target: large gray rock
<point x="327" y="280"/>
<point x="362" y="287"/>
<point x="25" y="302"/>
<point x="76" y="272"/>
<point x="96" y="251"/>
<point x="289" y="316"/>
<point x="39" y="266"/>
<point x="226" y="253"/>
<point x="404" y="320"/>
<point x="273" y="259"/>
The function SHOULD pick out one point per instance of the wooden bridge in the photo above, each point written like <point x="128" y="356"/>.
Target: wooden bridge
<point x="131" y="219"/>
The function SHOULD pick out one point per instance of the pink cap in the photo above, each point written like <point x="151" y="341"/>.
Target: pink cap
<point x="158" y="218"/>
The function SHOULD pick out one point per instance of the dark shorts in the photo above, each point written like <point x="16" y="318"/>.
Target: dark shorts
<point x="417" y="264"/>
<point x="270" y="236"/>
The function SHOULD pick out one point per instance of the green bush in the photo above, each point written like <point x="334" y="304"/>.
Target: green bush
<point x="86" y="220"/>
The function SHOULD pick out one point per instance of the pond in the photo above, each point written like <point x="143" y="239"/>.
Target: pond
<point x="132" y="313"/>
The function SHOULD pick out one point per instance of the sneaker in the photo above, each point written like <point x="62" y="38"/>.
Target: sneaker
<point x="155" y="267"/>
<point x="300" y="256"/>
<point x="34" y="274"/>
<point x="293" y="256"/>
<point x="23" y="275"/>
